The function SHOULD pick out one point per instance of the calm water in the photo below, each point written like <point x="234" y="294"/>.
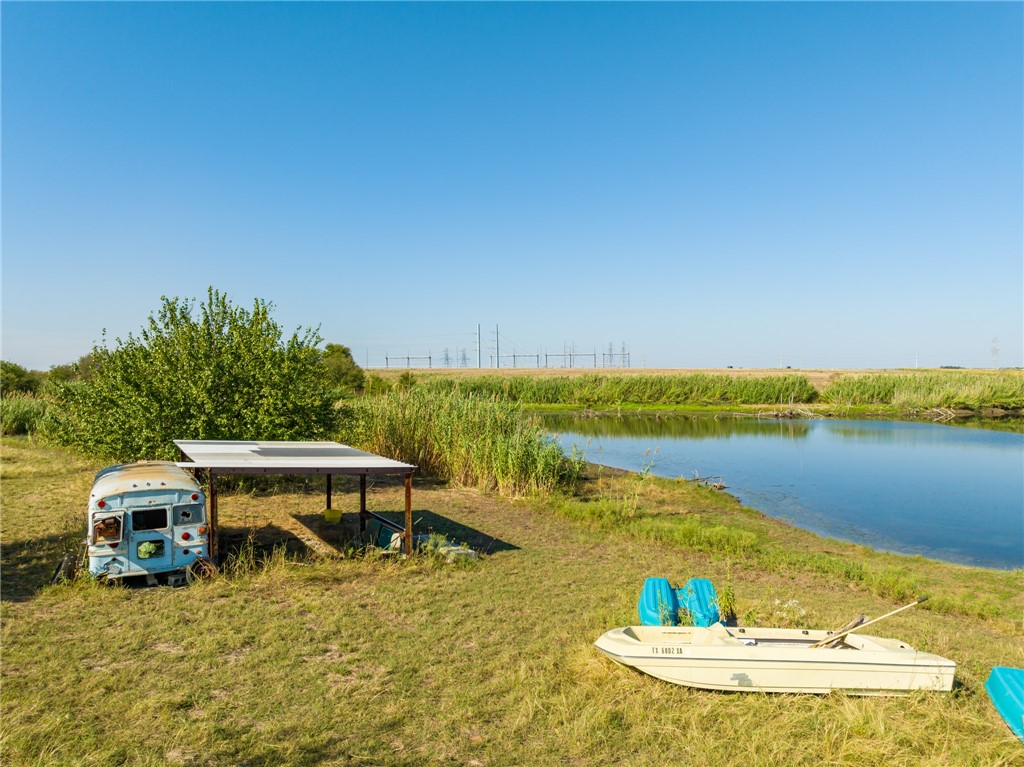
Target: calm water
<point x="945" y="492"/>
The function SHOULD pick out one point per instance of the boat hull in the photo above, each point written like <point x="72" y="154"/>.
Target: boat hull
<point x="776" y="660"/>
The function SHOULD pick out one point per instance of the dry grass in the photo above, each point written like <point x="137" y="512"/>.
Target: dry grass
<point x="306" y="660"/>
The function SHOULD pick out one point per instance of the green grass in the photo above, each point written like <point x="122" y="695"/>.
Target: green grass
<point x="290" y="659"/>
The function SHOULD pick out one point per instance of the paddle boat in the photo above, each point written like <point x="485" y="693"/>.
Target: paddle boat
<point x="776" y="659"/>
<point x="1005" y="687"/>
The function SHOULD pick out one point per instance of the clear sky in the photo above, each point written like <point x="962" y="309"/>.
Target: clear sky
<point x="807" y="184"/>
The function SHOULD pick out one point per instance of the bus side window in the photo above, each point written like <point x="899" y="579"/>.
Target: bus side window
<point x="191" y="514"/>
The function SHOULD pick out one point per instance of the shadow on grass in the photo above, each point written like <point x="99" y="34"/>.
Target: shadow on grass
<point x="265" y="540"/>
<point x="29" y="565"/>
<point x="340" y="535"/>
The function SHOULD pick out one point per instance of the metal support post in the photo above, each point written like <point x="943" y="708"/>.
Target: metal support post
<point x="408" y="513"/>
<point x="362" y="503"/>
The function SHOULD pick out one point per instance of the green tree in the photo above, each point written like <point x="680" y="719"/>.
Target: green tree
<point x="14" y="377"/>
<point x="227" y="374"/>
<point x="72" y="371"/>
<point x="342" y="370"/>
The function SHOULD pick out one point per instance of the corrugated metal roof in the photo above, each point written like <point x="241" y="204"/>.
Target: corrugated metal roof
<point x="246" y="457"/>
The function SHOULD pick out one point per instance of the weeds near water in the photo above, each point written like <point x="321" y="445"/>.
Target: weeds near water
<point x="896" y="583"/>
<point x="727" y="597"/>
<point x="616" y="391"/>
<point x="924" y="391"/>
<point x="777" y="612"/>
<point x="469" y="441"/>
<point x="630" y="506"/>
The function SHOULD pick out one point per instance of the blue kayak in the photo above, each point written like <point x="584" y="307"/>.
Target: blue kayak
<point x="1006" y="689"/>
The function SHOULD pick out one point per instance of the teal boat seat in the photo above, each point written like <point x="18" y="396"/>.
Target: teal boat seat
<point x="662" y="605"/>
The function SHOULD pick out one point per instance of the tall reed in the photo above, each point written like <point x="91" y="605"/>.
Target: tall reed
<point x="597" y="389"/>
<point x="967" y="391"/>
<point x="21" y="413"/>
<point x="470" y="441"/>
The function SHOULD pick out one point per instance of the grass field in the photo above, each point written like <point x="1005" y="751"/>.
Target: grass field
<point x="308" y="655"/>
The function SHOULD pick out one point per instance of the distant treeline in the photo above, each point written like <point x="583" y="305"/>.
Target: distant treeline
<point x="906" y="391"/>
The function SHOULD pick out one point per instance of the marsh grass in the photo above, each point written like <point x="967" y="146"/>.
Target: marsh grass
<point x="467" y="440"/>
<point x="612" y="390"/>
<point x="904" y="391"/>
<point x="952" y="390"/>
<point x="21" y="413"/>
<point x="297" y="660"/>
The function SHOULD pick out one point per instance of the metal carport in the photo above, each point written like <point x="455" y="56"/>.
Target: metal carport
<point x="329" y="458"/>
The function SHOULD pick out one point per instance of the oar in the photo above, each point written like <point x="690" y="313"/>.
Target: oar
<point x="841" y="634"/>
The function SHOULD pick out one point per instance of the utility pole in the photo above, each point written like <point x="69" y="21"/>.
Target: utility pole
<point x="497" y="349"/>
<point x="478" y="345"/>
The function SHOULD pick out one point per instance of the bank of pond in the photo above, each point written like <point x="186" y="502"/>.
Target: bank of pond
<point x="936" y="490"/>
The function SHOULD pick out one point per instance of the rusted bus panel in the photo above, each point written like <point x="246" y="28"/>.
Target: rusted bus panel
<point x="144" y="475"/>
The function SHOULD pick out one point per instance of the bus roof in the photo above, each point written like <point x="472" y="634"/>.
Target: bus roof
<point x="154" y="475"/>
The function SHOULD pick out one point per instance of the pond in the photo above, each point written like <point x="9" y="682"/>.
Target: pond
<point x="945" y="492"/>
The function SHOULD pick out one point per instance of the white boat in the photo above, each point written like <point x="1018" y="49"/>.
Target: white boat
<point x="776" y="660"/>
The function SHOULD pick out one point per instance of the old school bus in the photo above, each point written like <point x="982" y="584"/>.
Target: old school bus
<point x="147" y="519"/>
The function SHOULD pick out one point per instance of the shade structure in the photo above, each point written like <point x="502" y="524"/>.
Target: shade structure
<point x="282" y="457"/>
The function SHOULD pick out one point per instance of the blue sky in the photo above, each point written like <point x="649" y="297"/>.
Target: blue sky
<point x="814" y="185"/>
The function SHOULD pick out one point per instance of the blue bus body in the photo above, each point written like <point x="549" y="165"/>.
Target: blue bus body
<point x="146" y="519"/>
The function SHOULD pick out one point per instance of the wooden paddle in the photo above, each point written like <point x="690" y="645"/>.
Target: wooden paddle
<point x="843" y="632"/>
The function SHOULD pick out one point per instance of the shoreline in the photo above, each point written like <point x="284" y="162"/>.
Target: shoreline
<point x="594" y="469"/>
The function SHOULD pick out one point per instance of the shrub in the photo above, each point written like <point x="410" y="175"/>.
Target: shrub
<point x="228" y="374"/>
<point x="342" y="370"/>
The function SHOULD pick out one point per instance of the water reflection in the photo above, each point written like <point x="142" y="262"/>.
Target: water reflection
<point x="916" y="488"/>
<point x="697" y="427"/>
